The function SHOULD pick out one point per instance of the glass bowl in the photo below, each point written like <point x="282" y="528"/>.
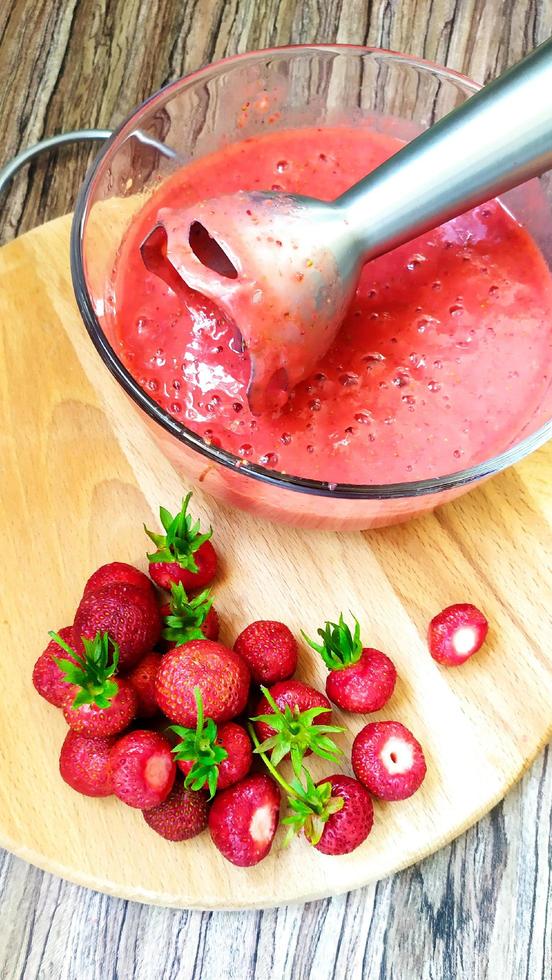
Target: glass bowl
<point x="312" y="85"/>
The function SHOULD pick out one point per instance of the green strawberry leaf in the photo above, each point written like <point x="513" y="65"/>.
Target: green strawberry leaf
<point x="187" y="615"/>
<point x="181" y="540"/>
<point x="296" y="733"/>
<point x="198" y="745"/>
<point x="340" y="647"/>
<point x="93" y="669"/>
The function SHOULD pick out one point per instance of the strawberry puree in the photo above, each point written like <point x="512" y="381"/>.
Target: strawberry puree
<point x="444" y="356"/>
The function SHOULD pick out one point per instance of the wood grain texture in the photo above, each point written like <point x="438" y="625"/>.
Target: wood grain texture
<point x="480" y="908"/>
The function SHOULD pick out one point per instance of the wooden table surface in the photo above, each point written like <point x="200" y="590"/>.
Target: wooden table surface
<point x="481" y="908"/>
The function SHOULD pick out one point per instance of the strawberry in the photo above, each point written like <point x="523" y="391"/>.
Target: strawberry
<point x="388" y="760"/>
<point x="360" y="678"/>
<point x="181" y="816"/>
<point x="270" y="650"/>
<point x="456" y="633"/>
<point x="335" y="815"/>
<point x="142" y="768"/>
<point x="97" y="703"/>
<point x="189" y="619"/>
<point x="207" y="755"/>
<point x="284" y="722"/>
<point x="183" y="554"/>
<point x="94" y="721"/>
<point x="84" y="764"/>
<point x="243" y="820"/>
<point x="116" y="571"/>
<point x="48" y="679"/>
<point x="220" y="674"/>
<point x="129" y="613"/>
<point x="345" y="829"/>
<point x="142" y="681"/>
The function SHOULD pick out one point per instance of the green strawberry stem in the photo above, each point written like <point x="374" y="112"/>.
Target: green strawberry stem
<point x="181" y="539"/>
<point x="311" y="805"/>
<point x="187" y="615"/>
<point x="339" y="648"/>
<point x="198" y="745"/>
<point x="92" y="671"/>
<point x="296" y="733"/>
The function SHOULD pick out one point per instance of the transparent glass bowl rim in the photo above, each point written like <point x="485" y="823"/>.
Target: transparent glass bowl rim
<point x="387" y="491"/>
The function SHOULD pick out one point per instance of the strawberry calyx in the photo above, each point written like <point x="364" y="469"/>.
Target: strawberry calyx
<point x="311" y="806"/>
<point x="92" y="670"/>
<point x="182" y="538"/>
<point x="340" y="647"/>
<point x="198" y="745"/>
<point x="296" y="733"/>
<point x="186" y="615"/>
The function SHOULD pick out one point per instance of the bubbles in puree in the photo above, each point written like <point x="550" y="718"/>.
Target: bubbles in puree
<point x="443" y="358"/>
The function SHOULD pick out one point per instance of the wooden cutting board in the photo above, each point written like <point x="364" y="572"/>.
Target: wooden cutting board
<point x="80" y="475"/>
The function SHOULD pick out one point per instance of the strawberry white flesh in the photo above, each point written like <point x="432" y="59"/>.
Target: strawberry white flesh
<point x="263" y="825"/>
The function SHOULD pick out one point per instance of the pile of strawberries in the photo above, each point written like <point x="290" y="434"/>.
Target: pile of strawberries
<point x="133" y="653"/>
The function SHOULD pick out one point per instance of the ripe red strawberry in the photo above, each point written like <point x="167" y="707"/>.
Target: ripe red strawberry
<point x="181" y="816"/>
<point x="84" y="764"/>
<point x="91" y="720"/>
<point x="97" y="703"/>
<point x="284" y="724"/>
<point x="456" y="633"/>
<point x="129" y="613"/>
<point x="270" y="650"/>
<point x="48" y="679"/>
<point x="243" y="820"/>
<point x="142" y="768"/>
<point x="220" y="674"/>
<point x="211" y="756"/>
<point x="388" y="760"/>
<point x="116" y="571"/>
<point x="142" y="681"/>
<point x="361" y="678"/>
<point x="345" y="829"/>
<point x="183" y="554"/>
<point x="189" y="619"/>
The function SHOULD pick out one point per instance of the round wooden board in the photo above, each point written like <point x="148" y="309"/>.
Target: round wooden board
<point x="80" y="475"/>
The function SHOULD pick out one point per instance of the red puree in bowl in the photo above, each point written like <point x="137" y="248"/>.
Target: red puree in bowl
<point x="443" y="358"/>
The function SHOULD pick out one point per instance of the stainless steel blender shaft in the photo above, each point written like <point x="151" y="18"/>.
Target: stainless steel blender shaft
<point x="494" y="141"/>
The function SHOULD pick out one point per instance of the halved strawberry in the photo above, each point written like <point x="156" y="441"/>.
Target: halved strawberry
<point x="183" y="553"/>
<point x="456" y="633"/>
<point x="360" y="678"/>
